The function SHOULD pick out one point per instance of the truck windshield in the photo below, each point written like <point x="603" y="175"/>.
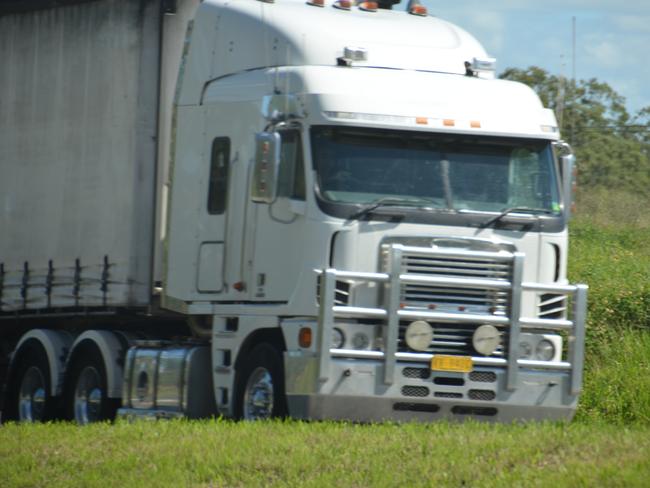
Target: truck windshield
<point x="440" y="171"/>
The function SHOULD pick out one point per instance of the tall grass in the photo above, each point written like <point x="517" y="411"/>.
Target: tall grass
<point x="610" y="251"/>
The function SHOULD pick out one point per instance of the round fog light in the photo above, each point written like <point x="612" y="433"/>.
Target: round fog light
<point x="418" y="335"/>
<point x="545" y="350"/>
<point x="486" y="339"/>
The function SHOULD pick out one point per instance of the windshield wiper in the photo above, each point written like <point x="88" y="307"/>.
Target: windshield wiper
<point x="388" y="202"/>
<point x="509" y="210"/>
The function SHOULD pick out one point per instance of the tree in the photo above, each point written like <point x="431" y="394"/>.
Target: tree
<point x="612" y="146"/>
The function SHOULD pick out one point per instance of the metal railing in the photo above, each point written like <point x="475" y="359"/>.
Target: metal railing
<point x="392" y="313"/>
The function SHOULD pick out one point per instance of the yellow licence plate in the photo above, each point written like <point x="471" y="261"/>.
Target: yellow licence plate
<point x="458" y="364"/>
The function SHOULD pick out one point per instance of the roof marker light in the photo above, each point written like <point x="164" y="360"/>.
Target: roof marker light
<point x="416" y="8"/>
<point x="343" y="4"/>
<point x="354" y="53"/>
<point x="368" y="6"/>
<point x="421" y="120"/>
<point x="316" y="3"/>
<point x="475" y="124"/>
<point x="484" y="64"/>
<point x="449" y="123"/>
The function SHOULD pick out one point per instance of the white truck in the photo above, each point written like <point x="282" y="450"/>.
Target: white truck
<point x="321" y="209"/>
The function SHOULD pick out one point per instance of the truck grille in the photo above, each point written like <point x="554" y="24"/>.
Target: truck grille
<point x="446" y="299"/>
<point x="454" y="339"/>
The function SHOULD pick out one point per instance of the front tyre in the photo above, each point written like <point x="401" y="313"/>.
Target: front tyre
<point x="259" y="385"/>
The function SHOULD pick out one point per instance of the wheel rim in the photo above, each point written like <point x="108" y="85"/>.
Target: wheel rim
<point x="88" y="396"/>
<point x="258" y="395"/>
<point x="31" y="401"/>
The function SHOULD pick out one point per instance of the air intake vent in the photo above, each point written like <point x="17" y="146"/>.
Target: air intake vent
<point x="552" y="306"/>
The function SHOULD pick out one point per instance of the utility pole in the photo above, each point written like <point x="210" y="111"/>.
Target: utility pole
<point x="573" y="78"/>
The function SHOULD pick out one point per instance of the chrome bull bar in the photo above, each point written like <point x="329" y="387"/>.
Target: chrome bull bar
<point x="392" y="314"/>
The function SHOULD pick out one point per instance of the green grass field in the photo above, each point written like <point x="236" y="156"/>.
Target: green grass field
<point x="607" y="445"/>
<point x="224" y="453"/>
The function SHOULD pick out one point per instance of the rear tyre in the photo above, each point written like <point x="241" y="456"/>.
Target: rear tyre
<point x="87" y="398"/>
<point x="259" y="385"/>
<point x="31" y="399"/>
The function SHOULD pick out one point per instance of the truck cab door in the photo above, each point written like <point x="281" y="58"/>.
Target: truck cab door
<point x="212" y="224"/>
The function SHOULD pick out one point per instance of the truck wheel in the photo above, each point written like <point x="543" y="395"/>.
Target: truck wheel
<point x="32" y="398"/>
<point x="88" y="394"/>
<point x="259" y="387"/>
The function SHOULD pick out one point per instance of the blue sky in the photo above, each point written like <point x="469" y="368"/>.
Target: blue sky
<point x="612" y="38"/>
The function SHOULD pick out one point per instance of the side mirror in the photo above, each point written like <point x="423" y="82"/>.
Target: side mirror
<point x="568" y="167"/>
<point x="267" y="164"/>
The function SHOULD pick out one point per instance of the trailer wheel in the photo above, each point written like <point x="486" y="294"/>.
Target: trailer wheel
<point x="259" y="385"/>
<point x="87" y="397"/>
<point x="32" y="395"/>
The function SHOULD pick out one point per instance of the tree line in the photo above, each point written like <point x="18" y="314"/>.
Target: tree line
<point x="612" y="145"/>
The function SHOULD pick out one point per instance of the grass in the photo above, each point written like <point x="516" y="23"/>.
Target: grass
<point x="293" y="453"/>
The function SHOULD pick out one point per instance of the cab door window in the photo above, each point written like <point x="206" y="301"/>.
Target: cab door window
<point x="218" y="185"/>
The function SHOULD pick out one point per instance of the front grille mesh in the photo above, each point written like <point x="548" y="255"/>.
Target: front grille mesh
<point x="421" y="373"/>
<point x="485" y="395"/>
<point x="415" y="391"/>
<point x="483" y="376"/>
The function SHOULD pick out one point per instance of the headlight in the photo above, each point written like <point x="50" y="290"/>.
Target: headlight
<point x="418" y="335"/>
<point x="338" y="339"/>
<point x="545" y="350"/>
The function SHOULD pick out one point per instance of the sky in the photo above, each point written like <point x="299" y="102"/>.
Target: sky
<point x="612" y="38"/>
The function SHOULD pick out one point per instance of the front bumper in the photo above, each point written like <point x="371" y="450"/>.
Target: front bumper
<point x="356" y="391"/>
<point x="380" y="384"/>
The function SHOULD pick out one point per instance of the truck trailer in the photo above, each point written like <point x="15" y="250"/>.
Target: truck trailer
<point x="264" y="208"/>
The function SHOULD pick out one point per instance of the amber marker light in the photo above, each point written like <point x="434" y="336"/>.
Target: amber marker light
<point x="368" y="6"/>
<point x="417" y="9"/>
<point x="475" y="124"/>
<point x="421" y="120"/>
<point x="343" y="4"/>
<point x="316" y="3"/>
<point x="305" y="337"/>
<point x="449" y="123"/>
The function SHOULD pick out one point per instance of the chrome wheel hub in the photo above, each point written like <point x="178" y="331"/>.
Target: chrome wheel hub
<point x="258" y="396"/>
<point x="88" y="396"/>
<point x="32" y="396"/>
